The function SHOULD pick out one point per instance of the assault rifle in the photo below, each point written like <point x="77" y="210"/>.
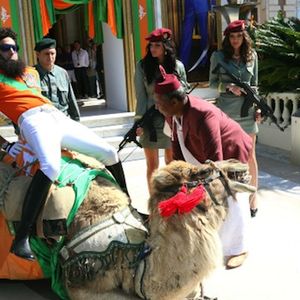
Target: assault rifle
<point x="144" y="121"/>
<point x="250" y="98"/>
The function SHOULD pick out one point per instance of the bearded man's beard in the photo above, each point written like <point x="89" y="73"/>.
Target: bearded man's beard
<point x="12" y="68"/>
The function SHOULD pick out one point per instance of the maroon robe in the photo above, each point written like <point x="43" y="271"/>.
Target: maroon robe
<point x="210" y="134"/>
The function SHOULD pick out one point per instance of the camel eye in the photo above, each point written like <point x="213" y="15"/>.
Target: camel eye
<point x="205" y="173"/>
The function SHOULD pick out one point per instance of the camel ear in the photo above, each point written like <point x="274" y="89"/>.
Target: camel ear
<point x="241" y="187"/>
<point x="162" y="179"/>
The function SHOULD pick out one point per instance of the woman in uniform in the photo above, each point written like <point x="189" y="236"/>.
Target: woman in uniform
<point x="160" y="51"/>
<point x="241" y="59"/>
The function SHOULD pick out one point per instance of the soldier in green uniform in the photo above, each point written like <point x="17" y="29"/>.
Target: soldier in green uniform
<point x="160" y="51"/>
<point x="55" y="81"/>
<point x="241" y="59"/>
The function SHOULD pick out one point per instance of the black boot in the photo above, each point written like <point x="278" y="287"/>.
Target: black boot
<point x="33" y="202"/>
<point x="117" y="171"/>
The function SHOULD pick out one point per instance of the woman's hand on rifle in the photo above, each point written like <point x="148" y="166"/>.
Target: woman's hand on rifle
<point x="139" y="131"/>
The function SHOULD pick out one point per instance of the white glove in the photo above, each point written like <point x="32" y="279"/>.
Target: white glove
<point x="13" y="149"/>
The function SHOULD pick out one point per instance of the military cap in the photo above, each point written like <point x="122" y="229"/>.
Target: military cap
<point x="235" y="26"/>
<point x="168" y="83"/>
<point x="45" y="44"/>
<point x="159" y="34"/>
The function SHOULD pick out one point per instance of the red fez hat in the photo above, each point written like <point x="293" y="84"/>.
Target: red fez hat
<point x="167" y="84"/>
<point x="159" y="34"/>
<point x="235" y="26"/>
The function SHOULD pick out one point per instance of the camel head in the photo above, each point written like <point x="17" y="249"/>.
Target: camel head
<point x="187" y="205"/>
<point x="179" y="178"/>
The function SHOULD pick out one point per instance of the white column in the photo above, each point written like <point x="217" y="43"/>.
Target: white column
<point x="157" y="13"/>
<point x="114" y="70"/>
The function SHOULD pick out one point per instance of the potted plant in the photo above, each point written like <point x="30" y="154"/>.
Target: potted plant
<point x="277" y="43"/>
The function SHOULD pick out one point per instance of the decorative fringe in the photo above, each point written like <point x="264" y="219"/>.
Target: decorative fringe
<point x="88" y="265"/>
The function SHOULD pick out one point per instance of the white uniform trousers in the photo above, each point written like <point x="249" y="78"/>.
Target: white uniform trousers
<point x="47" y="131"/>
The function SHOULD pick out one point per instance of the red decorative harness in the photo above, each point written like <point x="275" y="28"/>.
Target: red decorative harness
<point x="182" y="202"/>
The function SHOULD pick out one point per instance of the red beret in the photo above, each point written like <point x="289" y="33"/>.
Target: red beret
<point x="235" y="26"/>
<point x="167" y="84"/>
<point x="159" y="34"/>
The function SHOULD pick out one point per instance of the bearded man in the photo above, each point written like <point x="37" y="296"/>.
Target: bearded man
<point x="46" y="130"/>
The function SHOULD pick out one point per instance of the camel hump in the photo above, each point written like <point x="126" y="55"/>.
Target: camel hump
<point x="77" y="172"/>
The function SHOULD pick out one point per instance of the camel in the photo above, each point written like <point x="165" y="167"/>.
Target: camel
<point x="109" y="254"/>
<point x="181" y="249"/>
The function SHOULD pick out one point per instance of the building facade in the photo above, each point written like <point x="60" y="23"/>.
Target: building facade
<point x="120" y="25"/>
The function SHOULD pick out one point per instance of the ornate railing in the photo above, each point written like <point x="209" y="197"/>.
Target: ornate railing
<point x="284" y="106"/>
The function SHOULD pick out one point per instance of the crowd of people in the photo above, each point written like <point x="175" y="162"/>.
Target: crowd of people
<point x="41" y="103"/>
<point x="84" y="67"/>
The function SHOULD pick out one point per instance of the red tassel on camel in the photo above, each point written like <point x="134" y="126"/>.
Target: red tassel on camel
<point x="182" y="202"/>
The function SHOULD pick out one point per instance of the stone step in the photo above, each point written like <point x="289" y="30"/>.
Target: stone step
<point x="105" y="125"/>
<point x="108" y="119"/>
<point x="7" y="131"/>
<point x="111" y="127"/>
<point x="111" y="131"/>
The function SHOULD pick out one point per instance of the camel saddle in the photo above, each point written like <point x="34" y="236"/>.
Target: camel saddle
<point x="52" y="220"/>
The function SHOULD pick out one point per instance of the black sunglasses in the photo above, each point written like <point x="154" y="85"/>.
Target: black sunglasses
<point x="8" y="47"/>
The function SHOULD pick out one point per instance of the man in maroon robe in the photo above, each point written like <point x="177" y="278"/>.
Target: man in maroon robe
<point x="199" y="129"/>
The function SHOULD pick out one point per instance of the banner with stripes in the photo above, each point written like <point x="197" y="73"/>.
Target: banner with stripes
<point x="96" y="11"/>
<point x="9" y="16"/>
<point x="143" y="24"/>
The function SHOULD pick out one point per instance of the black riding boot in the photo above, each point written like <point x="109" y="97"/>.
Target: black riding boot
<point x="117" y="171"/>
<point x="33" y="202"/>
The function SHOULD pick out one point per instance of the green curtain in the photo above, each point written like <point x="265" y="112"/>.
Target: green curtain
<point x="138" y="39"/>
<point x="67" y="10"/>
<point x="119" y="18"/>
<point x="77" y="1"/>
<point x="37" y="21"/>
<point x="13" y="15"/>
<point x="99" y="39"/>
<point x="51" y="11"/>
<point x="100" y="15"/>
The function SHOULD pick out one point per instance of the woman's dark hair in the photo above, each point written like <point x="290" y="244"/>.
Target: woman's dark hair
<point x="7" y="32"/>
<point x="150" y="64"/>
<point x="246" y="51"/>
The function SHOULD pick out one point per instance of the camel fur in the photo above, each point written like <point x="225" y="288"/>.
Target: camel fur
<point x="185" y="248"/>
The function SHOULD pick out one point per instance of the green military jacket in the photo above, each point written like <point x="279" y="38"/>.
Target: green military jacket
<point x="145" y="99"/>
<point x="56" y="86"/>
<point x="226" y="101"/>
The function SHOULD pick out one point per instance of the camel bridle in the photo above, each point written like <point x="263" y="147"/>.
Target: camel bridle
<point x="206" y="181"/>
<point x="217" y="174"/>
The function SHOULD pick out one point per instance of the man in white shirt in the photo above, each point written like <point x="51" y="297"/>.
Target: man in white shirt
<point x="80" y="59"/>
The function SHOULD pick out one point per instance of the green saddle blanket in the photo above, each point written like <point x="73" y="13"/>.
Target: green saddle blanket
<point x="73" y="173"/>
